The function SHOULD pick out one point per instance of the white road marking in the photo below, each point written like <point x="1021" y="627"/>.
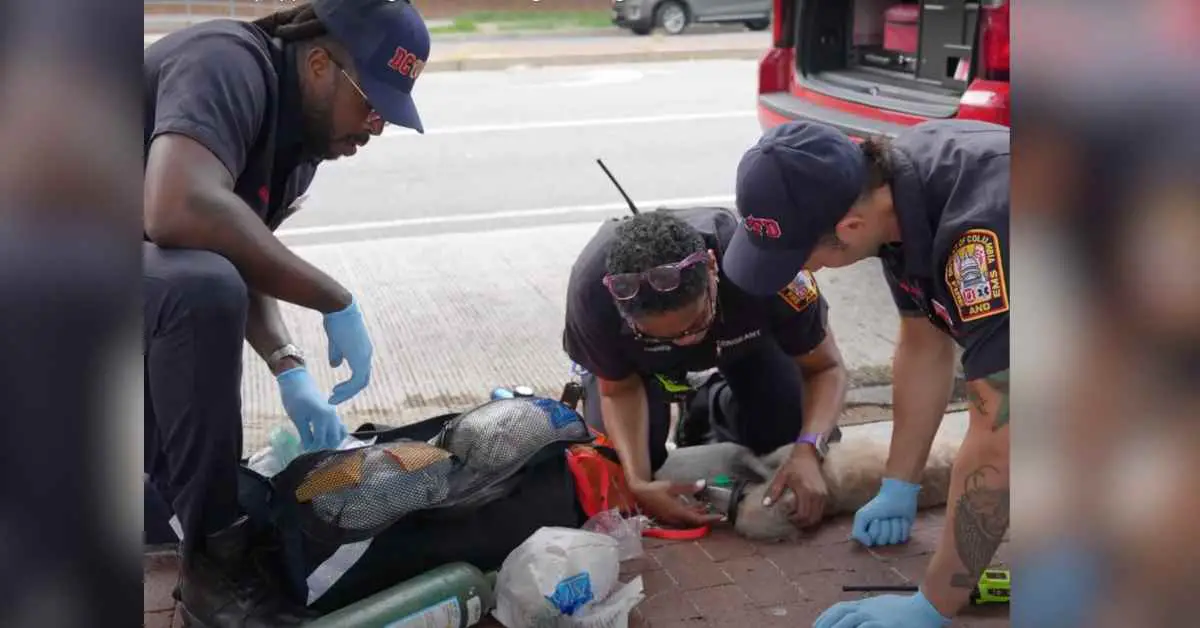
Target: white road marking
<point x="395" y="131"/>
<point x="519" y="213"/>
<point x="608" y="76"/>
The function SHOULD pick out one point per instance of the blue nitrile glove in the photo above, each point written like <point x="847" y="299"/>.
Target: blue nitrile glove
<point x="887" y="519"/>
<point x="315" y="419"/>
<point x="883" y="611"/>
<point x="348" y="339"/>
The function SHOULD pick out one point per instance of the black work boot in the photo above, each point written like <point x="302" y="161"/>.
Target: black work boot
<point x="223" y="587"/>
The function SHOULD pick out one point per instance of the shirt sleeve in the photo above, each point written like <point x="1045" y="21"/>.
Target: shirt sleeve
<point x="798" y="313"/>
<point x="590" y="345"/>
<point x="976" y="276"/>
<point x="904" y="301"/>
<point x="214" y="91"/>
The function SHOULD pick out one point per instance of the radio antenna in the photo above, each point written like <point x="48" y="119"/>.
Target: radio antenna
<point x="633" y="208"/>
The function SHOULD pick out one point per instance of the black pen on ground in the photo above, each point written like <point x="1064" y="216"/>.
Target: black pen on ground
<point x="872" y="588"/>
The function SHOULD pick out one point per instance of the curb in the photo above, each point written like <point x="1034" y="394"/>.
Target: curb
<point x="872" y="386"/>
<point x="499" y="63"/>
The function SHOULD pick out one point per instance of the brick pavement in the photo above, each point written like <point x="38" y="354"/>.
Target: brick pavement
<point x="723" y="580"/>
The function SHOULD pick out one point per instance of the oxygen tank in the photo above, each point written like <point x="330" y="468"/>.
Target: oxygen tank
<point x="456" y="595"/>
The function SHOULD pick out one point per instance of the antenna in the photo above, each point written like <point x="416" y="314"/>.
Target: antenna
<point x="633" y="208"/>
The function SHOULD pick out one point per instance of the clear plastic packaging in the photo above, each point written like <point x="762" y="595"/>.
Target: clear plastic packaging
<point x="626" y="531"/>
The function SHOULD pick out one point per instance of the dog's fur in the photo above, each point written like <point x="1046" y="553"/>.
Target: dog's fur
<point x="853" y="471"/>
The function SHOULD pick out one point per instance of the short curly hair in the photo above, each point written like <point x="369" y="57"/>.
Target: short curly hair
<point x="652" y="239"/>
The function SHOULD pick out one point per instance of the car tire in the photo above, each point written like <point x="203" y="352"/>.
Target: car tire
<point x="758" y="25"/>
<point x="672" y="17"/>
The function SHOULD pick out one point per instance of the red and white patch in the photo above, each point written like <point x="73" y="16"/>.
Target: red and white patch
<point x="762" y="227"/>
<point x="975" y="275"/>
<point x="801" y="292"/>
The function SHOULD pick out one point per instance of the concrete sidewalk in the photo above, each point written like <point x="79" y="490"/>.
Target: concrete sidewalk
<point x="454" y="315"/>
<point x="458" y="54"/>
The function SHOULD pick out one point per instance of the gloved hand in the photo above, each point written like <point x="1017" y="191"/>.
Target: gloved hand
<point x="315" y="419"/>
<point x="348" y="339"/>
<point x="883" y="611"/>
<point x="887" y="519"/>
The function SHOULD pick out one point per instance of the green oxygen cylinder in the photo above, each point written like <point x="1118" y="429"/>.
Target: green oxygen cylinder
<point x="456" y="595"/>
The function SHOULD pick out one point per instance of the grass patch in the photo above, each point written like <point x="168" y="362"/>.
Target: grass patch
<point x="510" y="21"/>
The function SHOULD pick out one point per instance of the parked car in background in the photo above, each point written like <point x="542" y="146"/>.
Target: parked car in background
<point x="674" y="16"/>
<point x="877" y="66"/>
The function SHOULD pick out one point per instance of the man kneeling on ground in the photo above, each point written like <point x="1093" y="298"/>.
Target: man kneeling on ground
<point x="647" y="303"/>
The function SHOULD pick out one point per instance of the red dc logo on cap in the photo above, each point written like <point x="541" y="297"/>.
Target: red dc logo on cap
<point x="406" y="63"/>
<point x="763" y="227"/>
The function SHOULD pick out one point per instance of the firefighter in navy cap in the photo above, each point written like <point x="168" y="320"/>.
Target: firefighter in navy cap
<point x="933" y="205"/>
<point x="238" y="117"/>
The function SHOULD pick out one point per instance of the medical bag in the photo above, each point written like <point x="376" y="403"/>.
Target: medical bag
<point x="467" y="487"/>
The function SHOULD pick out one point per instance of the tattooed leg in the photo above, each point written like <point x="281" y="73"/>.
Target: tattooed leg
<point x="980" y="521"/>
<point x="977" y="512"/>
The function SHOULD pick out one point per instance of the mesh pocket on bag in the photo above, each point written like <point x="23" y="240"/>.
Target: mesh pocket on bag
<point x="495" y="440"/>
<point x="351" y="495"/>
<point x="496" y="436"/>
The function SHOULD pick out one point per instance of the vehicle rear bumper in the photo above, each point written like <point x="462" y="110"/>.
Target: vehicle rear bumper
<point x="776" y="108"/>
<point x="621" y="20"/>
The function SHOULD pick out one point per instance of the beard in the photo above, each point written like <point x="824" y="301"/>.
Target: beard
<point x="318" y="136"/>
<point x="318" y="131"/>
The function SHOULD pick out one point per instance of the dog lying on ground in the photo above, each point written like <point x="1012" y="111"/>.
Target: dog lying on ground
<point x="853" y="471"/>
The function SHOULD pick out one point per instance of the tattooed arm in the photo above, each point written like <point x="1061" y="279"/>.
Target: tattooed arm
<point x="978" y="506"/>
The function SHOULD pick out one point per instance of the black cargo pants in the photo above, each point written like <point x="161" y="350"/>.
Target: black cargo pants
<point x="194" y="326"/>
<point x="764" y="412"/>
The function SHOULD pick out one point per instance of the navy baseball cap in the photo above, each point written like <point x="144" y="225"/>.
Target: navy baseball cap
<point x="793" y="186"/>
<point x="389" y="43"/>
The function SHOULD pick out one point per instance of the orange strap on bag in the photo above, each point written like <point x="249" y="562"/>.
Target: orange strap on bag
<point x="599" y="481"/>
<point x="600" y="486"/>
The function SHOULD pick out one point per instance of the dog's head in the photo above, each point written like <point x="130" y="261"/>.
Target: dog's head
<point x="758" y="522"/>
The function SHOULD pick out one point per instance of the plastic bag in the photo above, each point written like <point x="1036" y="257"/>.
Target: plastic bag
<point x="565" y="578"/>
<point x="284" y="446"/>
<point x="626" y="531"/>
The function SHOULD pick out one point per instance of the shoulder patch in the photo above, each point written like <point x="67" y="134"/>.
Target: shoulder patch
<point x="975" y="275"/>
<point x="801" y="292"/>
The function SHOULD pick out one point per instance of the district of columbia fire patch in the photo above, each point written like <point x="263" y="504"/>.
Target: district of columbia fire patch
<point x="801" y="292"/>
<point x="975" y="275"/>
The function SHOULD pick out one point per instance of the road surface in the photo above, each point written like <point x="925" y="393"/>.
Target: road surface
<point x="458" y="243"/>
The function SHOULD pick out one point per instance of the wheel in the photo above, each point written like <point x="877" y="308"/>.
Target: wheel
<point x="758" y="25"/>
<point x="672" y="17"/>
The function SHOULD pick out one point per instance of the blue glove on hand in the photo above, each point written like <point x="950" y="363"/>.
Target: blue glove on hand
<point x="887" y="519"/>
<point x="348" y="339"/>
<point x="883" y="611"/>
<point x="315" y="419"/>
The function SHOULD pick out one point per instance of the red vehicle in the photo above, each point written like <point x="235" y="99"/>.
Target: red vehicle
<point x="874" y="67"/>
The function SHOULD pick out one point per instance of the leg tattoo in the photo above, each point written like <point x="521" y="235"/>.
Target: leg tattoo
<point x="981" y="519"/>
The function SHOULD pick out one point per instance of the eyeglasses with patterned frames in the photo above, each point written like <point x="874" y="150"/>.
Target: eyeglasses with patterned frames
<point x="665" y="278"/>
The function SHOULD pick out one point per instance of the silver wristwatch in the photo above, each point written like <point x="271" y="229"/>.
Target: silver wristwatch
<point x="286" y="351"/>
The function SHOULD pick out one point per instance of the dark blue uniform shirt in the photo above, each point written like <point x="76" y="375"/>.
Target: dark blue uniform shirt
<point x="950" y="190"/>
<point x="598" y="339"/>
<point x="230" y="87"/>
